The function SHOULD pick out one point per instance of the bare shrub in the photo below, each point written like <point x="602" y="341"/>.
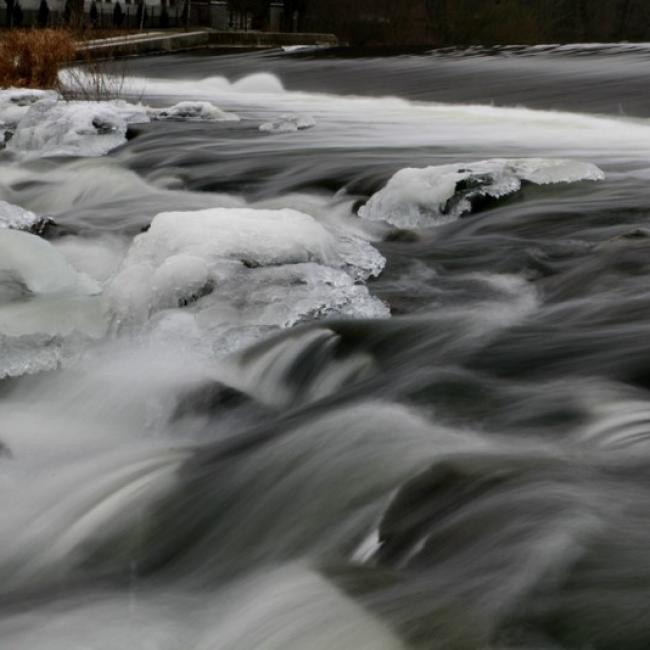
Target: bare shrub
<point x="94" y="79"/>
<point x="32" y="58"/>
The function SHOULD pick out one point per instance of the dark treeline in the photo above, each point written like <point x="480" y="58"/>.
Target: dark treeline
<point x="478" y="21"/>
<point x="386" y="22"/>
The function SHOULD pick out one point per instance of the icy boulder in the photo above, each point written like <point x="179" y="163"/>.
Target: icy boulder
<point x="79" y="128"/>
<point x="283" y="296"/>
<point x="46" y="308"/>
<point x="30" y="265"/>
<point x="30" y="354"/>
<point x="242" y="272"/>
<point x="432" y="196"/>
<point x="17" y="218"/>
<point x="196" y="111"/>
<point x="16" y="102"/>
<point x="288" y="123"/>
<point x="253" y="237"/>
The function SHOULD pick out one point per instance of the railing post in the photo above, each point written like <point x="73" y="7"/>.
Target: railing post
<point x="219" y="15"/>
<point x="276" y="14"/>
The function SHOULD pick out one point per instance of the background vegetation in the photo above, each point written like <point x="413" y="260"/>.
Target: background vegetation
<point x="33" y="58"/>
<point x="453" y="22"/>
<point x="393" y="22"/>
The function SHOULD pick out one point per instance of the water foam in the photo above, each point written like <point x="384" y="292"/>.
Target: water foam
<point x="390" y="121"/>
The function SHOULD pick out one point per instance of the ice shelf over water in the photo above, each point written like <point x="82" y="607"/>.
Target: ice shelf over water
<point x="432" y="196"/>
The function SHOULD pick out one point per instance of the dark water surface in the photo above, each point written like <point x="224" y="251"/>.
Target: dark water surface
<point x="313" y="451"/>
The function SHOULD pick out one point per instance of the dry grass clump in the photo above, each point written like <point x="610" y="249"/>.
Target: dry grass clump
<point x="32" y="58"/>
<point x="94" y="80"/>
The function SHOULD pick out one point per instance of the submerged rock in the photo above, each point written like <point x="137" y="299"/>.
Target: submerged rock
<point x="5" y="452"/>
<point x="215" y="398"/>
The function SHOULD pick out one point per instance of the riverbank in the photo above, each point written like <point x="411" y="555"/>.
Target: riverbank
<point x="165" y="41"/>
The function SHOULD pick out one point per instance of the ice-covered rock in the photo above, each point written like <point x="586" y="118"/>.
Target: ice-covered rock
<point x="360" y="259"/>
<point x="288" y="123"/>
<point x="242" y="272"/>
<point x="27" y="355"/>
<point x="16" y="102"/>
<point x="254" y="237"/>
<point x="432" y="196"/>
<point x="193" y="111"/>
<point x="78" y="128"/>
<point x="130" y="113"/>
<point x="34" y="266"/>
<point x="282" y="296"/>
<point x="181" y="280"/>
<point x="45" y="305"/>
<point x="13" y="216"/>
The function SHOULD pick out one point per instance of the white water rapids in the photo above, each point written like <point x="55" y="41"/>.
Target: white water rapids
<point x="284" y="369"/>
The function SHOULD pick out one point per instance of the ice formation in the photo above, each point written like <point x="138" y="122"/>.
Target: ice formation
<point x="256" y="237"/>
<point x="29" y="354"/>
<point x="78" y="128"/>
<point x="195" y="111"/>
<point x="288" y="123"/>
<point x="432" y="196"/>
<point x="34" y="265"/>
<point x="44" y="304"/>
<point x="13" y="216"/>
<point x="16" y="102"/>
<point x="244" y="268"/>
<point x="39" y="123"/>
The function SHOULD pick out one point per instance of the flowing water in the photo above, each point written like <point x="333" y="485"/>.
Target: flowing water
<point x="374" y="376"/>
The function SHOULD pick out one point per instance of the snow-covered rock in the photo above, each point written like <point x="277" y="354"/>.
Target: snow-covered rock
<point x="433" y="196"/>
<point x="16" y="102"/>
<point x="193" y="111"/>
<point x="31" y="265"/>
<point x="255" y="237"/>
<point x="242" y="272"/>
<point x="288" y="123"/>
<point x="77" y="128"/>
<point x="17" y="218"/>
<point x="46" y="307"/>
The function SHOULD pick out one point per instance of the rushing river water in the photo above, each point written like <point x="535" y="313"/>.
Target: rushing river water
<point x="359" y="361"/>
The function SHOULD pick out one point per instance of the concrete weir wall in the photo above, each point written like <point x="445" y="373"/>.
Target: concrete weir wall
<point x="164" y="41"/>
<point x="146" y="43"/>
<point x="266" y="40"/>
